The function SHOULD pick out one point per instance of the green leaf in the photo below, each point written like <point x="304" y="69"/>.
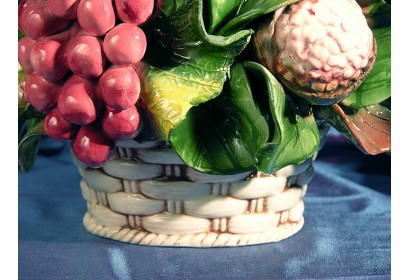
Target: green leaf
<point x="220" y="10"/>
<point x="249" y="11"/>
<point x="20" y="34"/>
<point x="26" y="112"/>
<point x="223" y="135"/>
<point x="169" y="94"/>
<point x="368" y="128"/>
<point x="377" y="86"/>
<point x="296" y="135"/>
<point x="28" y="146"/>
<point x="189" y="67"/>
<point x="300" y="142"/>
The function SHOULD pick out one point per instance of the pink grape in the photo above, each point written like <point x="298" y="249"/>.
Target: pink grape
<point x="78" y="101"/>
<point x="37" y="20"/>
<point x="24" y="48"/>
<point x="21" y="7"/>
<point x="64" y="8"/>
<point x="57" y="127"/>
<point x="134" y="11"/>
<point x="120" y="125"/>
<point x="47" y="58"/>
<point x="41" y="93"/>
<point x="119" y="87"/>
<point x="91" y="147"/>
<point x="125" y="44"/>
<point x="85" y="57"/>
<point x="96" y="16"/>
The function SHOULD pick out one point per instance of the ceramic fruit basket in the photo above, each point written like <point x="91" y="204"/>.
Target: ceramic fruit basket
<point x="196" y="123"/>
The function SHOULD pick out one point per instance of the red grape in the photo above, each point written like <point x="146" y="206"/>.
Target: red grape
<point x="96" y="16"/>
<point x="40" y="93"/>
<point x="85" y="57"/>
<point x="47" y="58"/>
<point x="64" y="8"/>
<point x="78" y="101"/>
<point x="91" y="147"/>
<point x="125" y="44"/>
<point x="24" y="48"/>
<point x="120" y="125"/>
<point x="37" y="21"/>
<point x="134" y="11"/>
<point x="22" y="6"/>
<point x="57" y="127"/>
<point x="119" y="87"/>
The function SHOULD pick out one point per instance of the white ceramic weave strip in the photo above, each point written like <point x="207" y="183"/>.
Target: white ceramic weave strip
<point x="132" y="170"/>
<point x="208" y="239"/>
<point x="174" y="190"/>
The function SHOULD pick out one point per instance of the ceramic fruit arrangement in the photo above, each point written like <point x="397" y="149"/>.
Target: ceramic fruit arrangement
<point x="232" y="86"/>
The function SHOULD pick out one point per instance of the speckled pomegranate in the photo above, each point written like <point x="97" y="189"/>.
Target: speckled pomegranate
<point x="320" y="49"/>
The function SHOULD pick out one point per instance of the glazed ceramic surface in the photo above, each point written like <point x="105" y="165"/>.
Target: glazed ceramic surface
<point x="147" y="195"/>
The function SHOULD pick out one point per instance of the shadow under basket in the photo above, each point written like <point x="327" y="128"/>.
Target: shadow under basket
<point x="147" y="195"/>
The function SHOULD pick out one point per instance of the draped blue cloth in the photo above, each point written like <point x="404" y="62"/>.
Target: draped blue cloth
<point x="346" y="235"/>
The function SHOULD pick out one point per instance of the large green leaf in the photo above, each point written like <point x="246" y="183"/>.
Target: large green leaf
<point x="369" y="128"/>
<point x="220" y="11"/>
<point x="189" y="66"/>
<point x="230" y="133"/>
<point x="377" y="86"/>
<point x="223" y="135"/>
<point x="249" y="11"/>
<point x="296" y="135"/>
<point x="28" y="146"/>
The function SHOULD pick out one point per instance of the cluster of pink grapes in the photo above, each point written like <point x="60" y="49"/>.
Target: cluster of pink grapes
<point x="81" y="57"/>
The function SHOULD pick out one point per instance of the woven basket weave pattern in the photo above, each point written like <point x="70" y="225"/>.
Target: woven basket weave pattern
<point x="146" y="195"/>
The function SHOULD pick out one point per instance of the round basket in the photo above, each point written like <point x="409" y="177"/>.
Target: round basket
<point x="147" y="195"/>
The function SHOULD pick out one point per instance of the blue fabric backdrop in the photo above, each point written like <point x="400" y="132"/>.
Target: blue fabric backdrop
<point x="346" y="232"/>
